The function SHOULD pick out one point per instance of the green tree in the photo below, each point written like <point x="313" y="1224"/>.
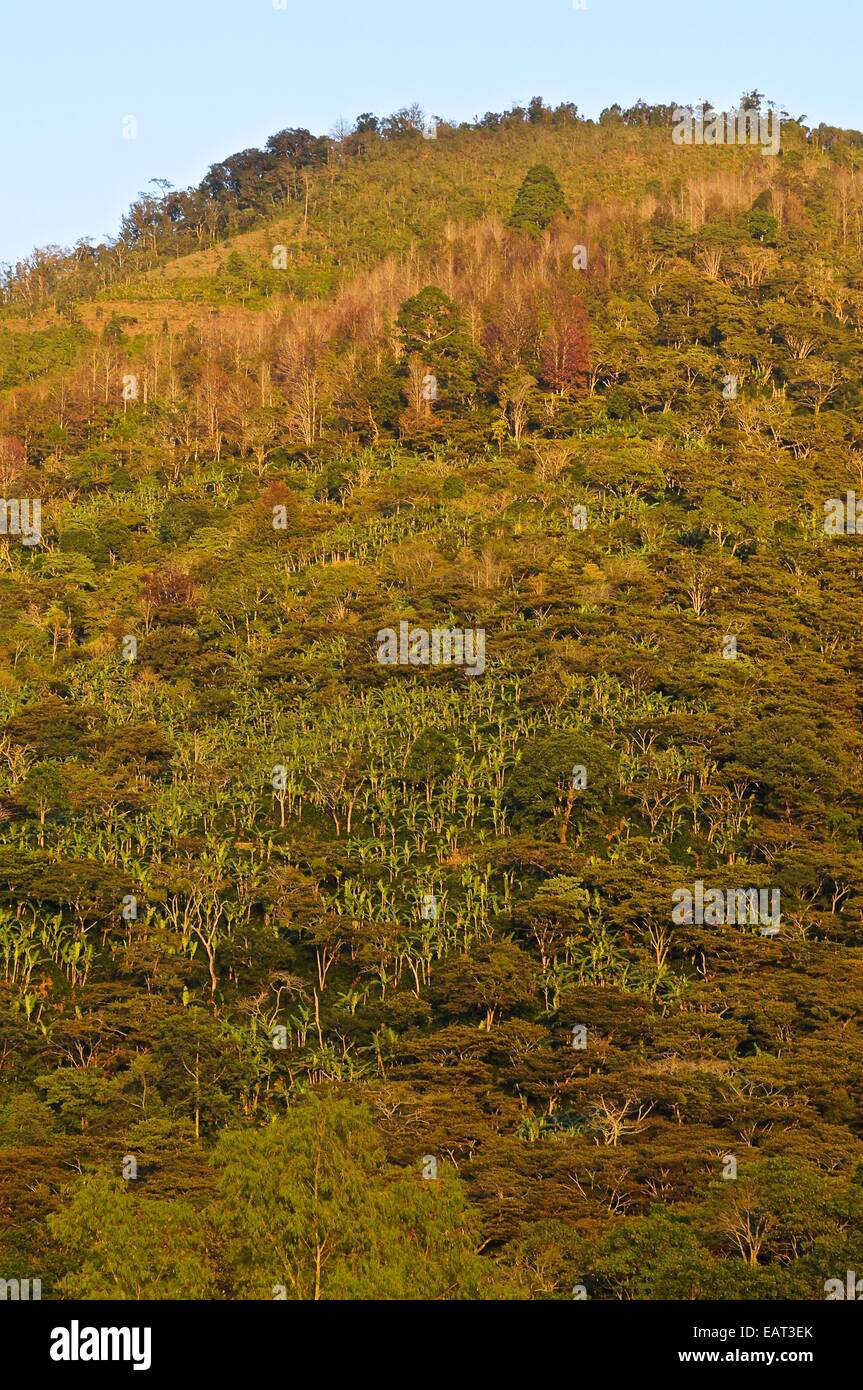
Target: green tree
<point x="121" y="1245"/>
<point x="309" y="1204"/>
<point x="430" y="328"/>
<point x="538" y="201"/>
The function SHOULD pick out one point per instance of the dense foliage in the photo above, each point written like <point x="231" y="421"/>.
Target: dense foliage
<point x="321" y="977"/>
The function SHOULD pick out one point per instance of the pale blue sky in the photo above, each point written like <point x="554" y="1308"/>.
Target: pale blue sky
<point x="205" y="78"/>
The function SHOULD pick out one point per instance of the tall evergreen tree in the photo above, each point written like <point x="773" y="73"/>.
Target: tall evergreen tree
<point x="538" y="201"/>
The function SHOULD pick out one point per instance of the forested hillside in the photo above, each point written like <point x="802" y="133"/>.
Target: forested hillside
<point x="428" y="561"/>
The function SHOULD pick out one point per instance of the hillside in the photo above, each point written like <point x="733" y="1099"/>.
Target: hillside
<point x="430" y="611"/>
